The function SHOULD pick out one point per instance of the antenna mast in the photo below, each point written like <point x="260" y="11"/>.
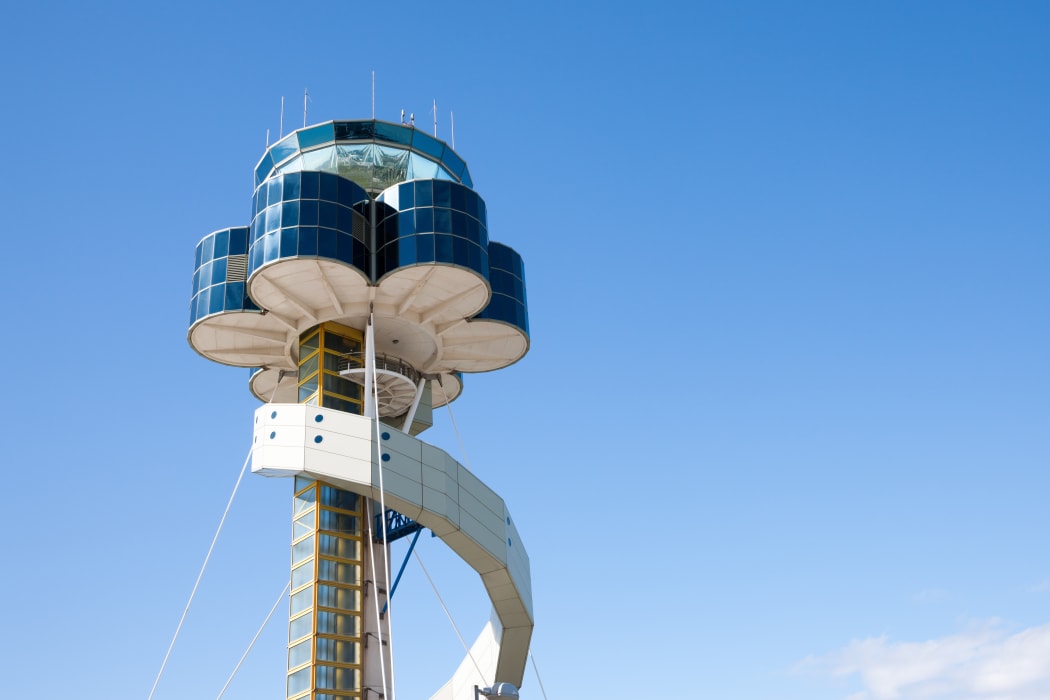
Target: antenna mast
<point x="280" y="134"/>
<point x="452" y="121"/>
<point x="435" y="118"/>
<point x="306" y="96"/>
<point x="373" y="94"/>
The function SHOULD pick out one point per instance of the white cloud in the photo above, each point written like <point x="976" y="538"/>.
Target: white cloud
<point x="984" y="663"/>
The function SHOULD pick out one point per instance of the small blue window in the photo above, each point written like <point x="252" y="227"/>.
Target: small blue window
<point x="307" y="240"/>
<point x="424" y="193"/>
<point x="460" y="246"/>
<point x="459" y="197"/>
<point x="309" y="185"/>
<point x="406" y="196"/>
<point x="406" y="223"/>
<point x="308" y="212"/>
<point x="443" y="248"/>
<point x="329" y="214"/>
<point x="238" y="241"/>
<point x="274" y="190"/>
<point x="235" y="296"/>
<point x="424" y="220"/>
<point x="209" y="248"/>
<point x="329" y="187"/>
<point x="326" y="243"/>
<point x="406" y="251"/>
<point x="442" y="220"/>
<point x="292" y="186"/>
<point x="290" y="213"/>
<point x="425" y="248"/>
<point x="289" y="242"/>
<point x="442" y="193"/>
<point x="222" y="243"/>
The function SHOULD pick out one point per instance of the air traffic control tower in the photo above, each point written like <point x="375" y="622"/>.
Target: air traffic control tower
<point x="363" y="289"/>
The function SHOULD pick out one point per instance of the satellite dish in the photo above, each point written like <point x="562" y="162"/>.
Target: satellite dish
<point x="500" y="690"/>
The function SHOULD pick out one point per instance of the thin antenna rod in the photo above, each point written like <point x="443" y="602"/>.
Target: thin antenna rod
<point x="435" y="118"/>
<point x="267" y="138"/>
<point x="281" y="132"/>
<point x="373" y="94"/>
<point x="452" y="121"/>
<point x="306" y="96"/>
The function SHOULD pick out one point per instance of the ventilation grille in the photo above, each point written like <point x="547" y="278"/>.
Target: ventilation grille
<point x="237" y="268"/>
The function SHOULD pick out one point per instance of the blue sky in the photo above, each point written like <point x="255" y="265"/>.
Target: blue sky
<point x="782" y="432"/>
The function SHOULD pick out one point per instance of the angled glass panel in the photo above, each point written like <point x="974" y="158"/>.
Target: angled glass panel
<point x="323" y="159"/>
<point x="264" y="168"/>
<point x="292" y="166"/>
<point x="284" y="148"/>
<point x="354" y="162"/>
<point x="428" y="145"/>
<point x="453" y="163"/>
<point x="316" y="135"/>
<point x="421" y="169"/>
<point x="394" y="133"/>
<point x="391" y="166"/>
<point x="354" y="131"/>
